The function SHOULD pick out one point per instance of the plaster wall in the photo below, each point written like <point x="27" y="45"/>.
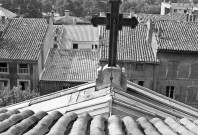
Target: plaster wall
<point x="178" y="70"/>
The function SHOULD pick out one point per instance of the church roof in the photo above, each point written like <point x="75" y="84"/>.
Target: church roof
<point x="27" y="122"/>
<point x="115" y="106"/>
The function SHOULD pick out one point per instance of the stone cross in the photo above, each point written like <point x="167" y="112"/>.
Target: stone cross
<point x="114" y="22"/>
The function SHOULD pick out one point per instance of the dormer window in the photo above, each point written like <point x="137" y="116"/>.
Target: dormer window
<point x="3" y="67"/>
<point x="23" y="68"/>
<point x="75" y="46"/>
<point x="94" y="46"/>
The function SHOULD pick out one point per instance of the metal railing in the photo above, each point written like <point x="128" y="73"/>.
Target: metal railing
<point x="23" y="70"/>
<point x="3" y="69"/>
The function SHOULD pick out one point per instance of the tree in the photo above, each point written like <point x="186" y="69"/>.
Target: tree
<point x="8" y="97"/>
<point x="25" y="8"/>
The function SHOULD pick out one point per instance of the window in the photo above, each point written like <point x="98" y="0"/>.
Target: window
<point x="139" y="66"/>
<point x="55" y="38"/>
<point x="94" y="46"/>
<point x="172" y="71"/>
<point x="23" y="68"/>
<point x="3" y="84"/>
<point x="4" y="67"/>
<point x="185" y="11"/>
<point x="192" y="94"/>
<point x="141" y="83"/>
<point x="75" y="46"/>
<point x="25" y="84"/>
<point x="170" y="91"/>
<point x="175" y="10"/>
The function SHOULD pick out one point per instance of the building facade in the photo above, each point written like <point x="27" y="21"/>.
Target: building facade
<point x="24" y="46"/>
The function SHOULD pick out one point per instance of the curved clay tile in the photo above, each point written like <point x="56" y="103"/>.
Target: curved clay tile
<point x="98" y="125"/>
<point x="60" y="126"/>
<point x="80" y="125"/>
<point x="115" y="126"/>
<point x="131" y="126"/>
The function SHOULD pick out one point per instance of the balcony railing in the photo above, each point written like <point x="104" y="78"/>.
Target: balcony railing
<point x="23" y="70"/>
<point x="3" y="69"/>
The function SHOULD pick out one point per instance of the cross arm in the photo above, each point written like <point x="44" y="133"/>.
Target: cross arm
<point x="131" y="22"/>
<point x="98" y="20"/>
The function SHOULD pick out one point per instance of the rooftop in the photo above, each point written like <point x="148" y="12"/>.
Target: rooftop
<point x="102" y="106"/>
<point x="27" y="122"/>
<point x="177" y="36"/>
<point x="7" y="13"/>
<point x="71" y="65"/>
<point x="132" y="45"/>
<point x="22" y="38"/>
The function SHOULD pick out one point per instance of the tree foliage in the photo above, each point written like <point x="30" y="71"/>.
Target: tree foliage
<point x="80" y="8"/>
<point x="8" y="97"/>
<point x="25" y="8"/>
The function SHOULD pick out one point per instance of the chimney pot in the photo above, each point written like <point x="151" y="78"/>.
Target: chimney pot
<point x="3" y="20"/>
<point x="66" y="13"/>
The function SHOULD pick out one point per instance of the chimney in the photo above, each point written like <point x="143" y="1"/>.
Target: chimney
<point x="187" y="17"/>
<point x="48" y="19"/>
<point x="150" y="29"/>
<point x="159" y="32"/>
<point x="66" y="13"/>
<point x="52" y="15"/>
<point x="74" y="21"/>
<point x="111" y="76"/>
<point x="100" y="41"/>
<point x="3" y="20"/>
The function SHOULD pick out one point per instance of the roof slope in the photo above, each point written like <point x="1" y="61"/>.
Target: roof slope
<point x="139" y="51"/>
<point x="177" y="36"/>
<point x="71" y="65"/>
<point x="156" y="17"/>
<point x="27" y="122"/>
<point x="85" y="33"/>
<point x="69" y="20"/>
<point x="113" y="112"/>
<point x="132" y="45"/>
<point x="22" y="39"/>
<point x="7" y="13"/>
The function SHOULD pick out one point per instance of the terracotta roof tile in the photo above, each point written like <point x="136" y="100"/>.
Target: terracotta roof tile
<point x="177" y="36"/>
<point x="22" y="39"/>
<point x="132" y="45"/>
<point x="69" y="20"/>
<point x="77" y="65"/>
<point x="56" y="123"/>
<point x="139" y="52"/>
<point x="156" y="17"/>
<point x="82" y="33"/>
<point x="60" y="126"/>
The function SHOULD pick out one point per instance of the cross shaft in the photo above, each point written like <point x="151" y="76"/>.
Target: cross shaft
<point x="114" y="22"/>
